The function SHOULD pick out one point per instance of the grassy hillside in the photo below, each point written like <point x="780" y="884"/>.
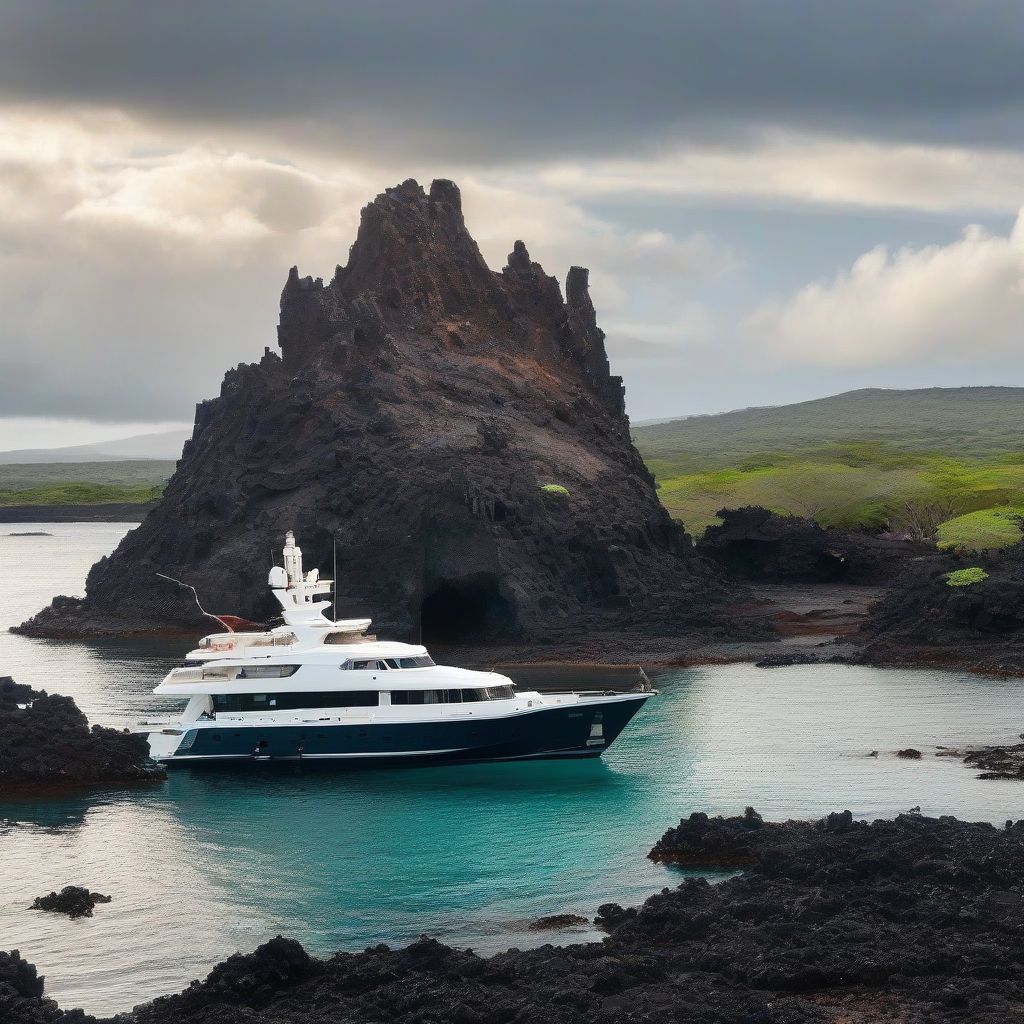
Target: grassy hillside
<point x="902" y="460"/>
<point x="962" y="421"/>
<point x="83" y="483"/>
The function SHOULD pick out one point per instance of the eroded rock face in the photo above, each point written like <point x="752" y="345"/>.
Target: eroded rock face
<point x="419" y="406"/>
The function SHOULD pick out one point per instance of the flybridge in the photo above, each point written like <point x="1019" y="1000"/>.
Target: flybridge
<point x="297" y="592"/>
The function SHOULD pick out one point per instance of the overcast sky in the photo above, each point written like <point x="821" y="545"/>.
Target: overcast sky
<point x="777" y="200"/>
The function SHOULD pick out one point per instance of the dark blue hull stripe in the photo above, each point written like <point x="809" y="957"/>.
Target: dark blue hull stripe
<point x="559" y="732"/>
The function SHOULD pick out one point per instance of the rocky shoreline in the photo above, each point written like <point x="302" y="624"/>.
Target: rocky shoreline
<point x="911" y="920"/>
<point x="46" y="742"/>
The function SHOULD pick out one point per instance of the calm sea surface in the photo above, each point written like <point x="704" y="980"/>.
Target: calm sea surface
<point x="213" y="862"/>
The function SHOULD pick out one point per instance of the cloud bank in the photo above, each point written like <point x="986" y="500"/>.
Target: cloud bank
<point x="955" y="302"/>
<point x="132" y="275"/>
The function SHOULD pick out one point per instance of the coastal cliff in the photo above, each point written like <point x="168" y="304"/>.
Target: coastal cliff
<point x="453" y="433"/>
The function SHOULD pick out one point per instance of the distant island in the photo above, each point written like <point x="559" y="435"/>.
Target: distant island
<point x="110" y="491"/>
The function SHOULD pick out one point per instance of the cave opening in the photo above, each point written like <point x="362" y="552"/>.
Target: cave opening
<point x="466" y="611"/>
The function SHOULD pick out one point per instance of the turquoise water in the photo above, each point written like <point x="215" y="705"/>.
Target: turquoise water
<point x="212" y="862"/>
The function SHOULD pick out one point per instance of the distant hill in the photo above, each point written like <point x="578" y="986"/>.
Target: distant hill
<point x="962" y="421"/>
<point x="164" y="446"/>
<point x="40" y="488"/>
<point x="938" y="462"/>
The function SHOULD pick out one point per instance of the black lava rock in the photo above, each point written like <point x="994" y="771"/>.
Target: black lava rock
<point x="556" y="922"/>
<point x="17" y="693"/>
<point x="49" y="741"/>
<point x="73" y="900"/>
<point x="755" y="544"/>
<point x="916" y="919"/>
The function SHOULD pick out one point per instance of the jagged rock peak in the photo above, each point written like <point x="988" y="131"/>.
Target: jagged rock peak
<point x="422" y="407"/>
<point x="414" y="269"/>
<point x="405" y="226"/>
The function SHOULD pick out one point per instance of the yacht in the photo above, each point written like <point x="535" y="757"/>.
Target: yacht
<point x="320" y="689"/>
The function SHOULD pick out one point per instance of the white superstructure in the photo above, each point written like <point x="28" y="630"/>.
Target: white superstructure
<point x="321" y="688"/>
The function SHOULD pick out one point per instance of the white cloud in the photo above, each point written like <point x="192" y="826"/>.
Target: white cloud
<point x="135" y="269"/>
<point x="958" y="302"/>
<point x="774" y="166"/>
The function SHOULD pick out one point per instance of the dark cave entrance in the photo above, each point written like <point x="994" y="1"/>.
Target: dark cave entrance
<point x="466" y="611"/>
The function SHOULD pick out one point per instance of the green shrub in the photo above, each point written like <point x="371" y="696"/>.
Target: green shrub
<point x="562" y="492"/>
<point x="965" y="577"/>
<point x="983" y="530"/>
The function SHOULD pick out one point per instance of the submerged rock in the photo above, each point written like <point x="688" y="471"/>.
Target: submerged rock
<point x="915" y="919"/>
<point x="909" y="754"/>
<point x="998" y="762"/>
<point x="73" y="900"/>
<point x="48" y="741"/>
<point x="457" y="434"/>
<point x="556" y="922"/>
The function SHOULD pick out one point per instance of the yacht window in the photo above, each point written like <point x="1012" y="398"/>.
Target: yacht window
<point x="381" y="665"/>
<point x="266" y="671"/>
<point x="452" y="696"/>
<point x="294" y="701"/>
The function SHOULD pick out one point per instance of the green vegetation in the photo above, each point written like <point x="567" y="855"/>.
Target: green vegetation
<point x="984" y="530"/>
<point x="968" y="422"/>
<point x="864" y="486"/>
<point x="83" y="483"/>
<point x="80" y="494"/>
<point x="913" y="462"/>
<point x="562" y="492"/>
<point x="965" y="577"/>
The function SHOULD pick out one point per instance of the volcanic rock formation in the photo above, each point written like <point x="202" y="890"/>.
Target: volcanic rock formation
<point x="73" y="900"/>
<point x="914" y="920"/>
<point x="46" y="740"/>
<point x="755" y="544"/>
<point x="455" y="430"/>
<point x="921" y="619"/>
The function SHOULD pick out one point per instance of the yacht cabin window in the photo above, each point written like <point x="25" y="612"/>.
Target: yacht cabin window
<point x="266" y="671"/>
<point x="384" y="664"/>
<point x="464" y="696"/>
<point x="294" y="701"/>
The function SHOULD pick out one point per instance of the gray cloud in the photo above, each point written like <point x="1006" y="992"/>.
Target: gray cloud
<point x="162" y="165"/>
<point x="485" y="81"/>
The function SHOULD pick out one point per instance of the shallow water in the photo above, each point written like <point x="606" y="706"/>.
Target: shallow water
<point x="215" y="861"/>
